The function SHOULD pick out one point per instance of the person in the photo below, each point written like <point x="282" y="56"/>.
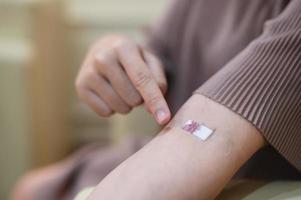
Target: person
<point x="249" y="51"/>
<point x="233" y="66"/>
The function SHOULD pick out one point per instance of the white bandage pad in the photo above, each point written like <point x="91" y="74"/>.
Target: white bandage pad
<point x="197" y="129"/>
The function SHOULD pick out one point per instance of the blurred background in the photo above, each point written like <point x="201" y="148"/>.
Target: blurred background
<point x="42" y="44"/>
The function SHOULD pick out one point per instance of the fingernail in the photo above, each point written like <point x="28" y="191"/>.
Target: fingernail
<point x="161" y="116"/>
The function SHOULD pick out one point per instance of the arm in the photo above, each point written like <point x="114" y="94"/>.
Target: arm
<point x="176" y="165"/>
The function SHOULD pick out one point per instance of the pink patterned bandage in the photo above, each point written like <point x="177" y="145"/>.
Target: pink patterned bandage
<point x="197" y="129"/>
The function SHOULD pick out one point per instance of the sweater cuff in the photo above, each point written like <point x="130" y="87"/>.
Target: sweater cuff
<point x="263" y="84"/>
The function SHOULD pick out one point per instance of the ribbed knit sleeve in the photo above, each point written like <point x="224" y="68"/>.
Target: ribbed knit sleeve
<point x="165" y="34"/>
<point x="263" y="83"/>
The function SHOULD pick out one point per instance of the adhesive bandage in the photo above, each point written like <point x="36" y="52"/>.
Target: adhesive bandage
<point x="197" y="129"/>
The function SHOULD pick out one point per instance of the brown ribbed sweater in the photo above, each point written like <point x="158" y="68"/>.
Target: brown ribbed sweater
<point x="245" y="55"/>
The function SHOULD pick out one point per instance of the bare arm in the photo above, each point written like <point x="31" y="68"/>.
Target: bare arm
<point x="179" y="166"/>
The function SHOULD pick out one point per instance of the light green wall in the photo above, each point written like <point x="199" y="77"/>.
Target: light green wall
<point x="15" y="52"/>
<point x="14" y="144"/>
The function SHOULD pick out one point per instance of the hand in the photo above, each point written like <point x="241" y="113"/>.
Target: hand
<point x="118" y="75"/>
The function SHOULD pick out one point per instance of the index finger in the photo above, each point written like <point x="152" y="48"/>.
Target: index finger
<point x="143" y="80"/>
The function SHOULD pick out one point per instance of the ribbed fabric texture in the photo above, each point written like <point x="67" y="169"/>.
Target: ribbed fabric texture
<point x="263" y="83"/>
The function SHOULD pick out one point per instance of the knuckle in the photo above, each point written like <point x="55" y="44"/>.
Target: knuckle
<point x="119" y="106"/>
<point x="142" y="79"/>
<point x="80" y="88"/>
<point x="104" y="62"/>
<point x="135" y="100"/>
<point x="102" y="111"/>
<point x="105" y="113"/>
<point x="154" y="100"/>
<point x="91" y="77"/>
<point x="125" y="110"/>
<point x="103" y="59"/>
<point x="122" y="43"/>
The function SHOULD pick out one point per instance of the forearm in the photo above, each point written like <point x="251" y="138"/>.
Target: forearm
<point x="176" y="165"/>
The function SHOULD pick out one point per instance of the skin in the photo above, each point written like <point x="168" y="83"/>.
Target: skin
<point x="179" y="166"/>
<point x="118" y="75"/>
